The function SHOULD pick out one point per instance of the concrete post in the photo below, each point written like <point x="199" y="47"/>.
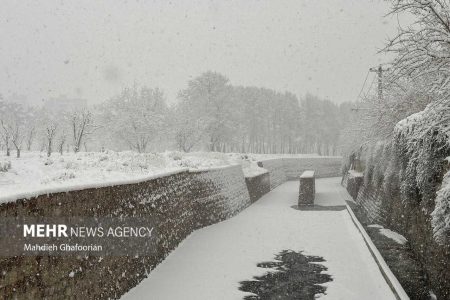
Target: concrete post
<point x="307" y="188"/>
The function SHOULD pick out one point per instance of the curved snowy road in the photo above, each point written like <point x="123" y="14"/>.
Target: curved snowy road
<point x="212" y="261"/>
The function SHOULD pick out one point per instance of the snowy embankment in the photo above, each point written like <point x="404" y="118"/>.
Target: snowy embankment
<point x="36" y="174"/>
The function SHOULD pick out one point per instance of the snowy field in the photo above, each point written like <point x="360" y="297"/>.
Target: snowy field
<point x="212" y="261"/>
<point x="34" y="173"/>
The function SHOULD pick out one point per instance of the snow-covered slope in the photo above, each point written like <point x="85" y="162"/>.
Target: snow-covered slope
<point x="35" y="173"/>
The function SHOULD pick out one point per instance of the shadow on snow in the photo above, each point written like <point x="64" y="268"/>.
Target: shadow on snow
<point x="296" y="276"/>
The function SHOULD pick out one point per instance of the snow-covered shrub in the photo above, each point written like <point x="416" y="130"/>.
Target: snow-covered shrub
<point x="427" y="141"/>
<point x="69" y="165"/>
<point x="392" y="175"/>
<point x="411" y="166"/>
<point x="5" y="166"/>
<point x="175" y="155"/>
<point x="368" y="172"/>
<point x="63" y="176"/>
<point x="379" y="166"/>
<point x="441" y="214"/>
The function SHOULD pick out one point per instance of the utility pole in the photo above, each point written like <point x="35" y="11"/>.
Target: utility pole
<point x="379" y="71"/>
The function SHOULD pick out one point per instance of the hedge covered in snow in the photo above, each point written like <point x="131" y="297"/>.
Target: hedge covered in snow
<point x="422" y="143"/>
<point x="407" y="188"/>
<point x="414" y="167"/>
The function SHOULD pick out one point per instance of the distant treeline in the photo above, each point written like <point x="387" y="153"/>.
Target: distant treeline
<point x="210" y="114"/>
<point x="213" y="115"/>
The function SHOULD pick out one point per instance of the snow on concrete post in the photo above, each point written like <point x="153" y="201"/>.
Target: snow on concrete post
<point x="307" y="188"/>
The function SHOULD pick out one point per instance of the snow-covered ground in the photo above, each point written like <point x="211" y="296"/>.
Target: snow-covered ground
<point x="35" y="173"/>
<point x="212" y="261"/>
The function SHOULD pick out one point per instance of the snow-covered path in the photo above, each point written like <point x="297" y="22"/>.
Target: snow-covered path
<point x="212" y="261"/>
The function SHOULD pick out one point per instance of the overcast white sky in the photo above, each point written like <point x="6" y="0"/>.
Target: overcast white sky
<point x="92" y="49"/>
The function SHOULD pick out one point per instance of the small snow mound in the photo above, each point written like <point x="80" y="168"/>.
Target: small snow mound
<point x="5" y="166"/>
<point x="397" y="237"/>
<point x="375" y="226"/>
<point x="353" y="174"/>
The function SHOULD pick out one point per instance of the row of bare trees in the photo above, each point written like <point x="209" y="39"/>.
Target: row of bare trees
<point x="32" y="127"/>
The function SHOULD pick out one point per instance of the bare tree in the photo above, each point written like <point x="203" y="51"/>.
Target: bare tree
<point x="30" y="137"/>
<point x="422" y="48"/>
<point x="17" y="137"/>
<point x="61" y="141"/>
<point x="6" y="137"/>
<point x="188" y="135"/>
<point x="50" y="132"/>
<point x="12" y="121"/>
<point x="423" y="52"/>
<point x="135" y="116"/>
<point x="82" y="125"/>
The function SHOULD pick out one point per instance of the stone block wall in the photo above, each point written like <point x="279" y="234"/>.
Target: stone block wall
<point x="323" y="166"/>
<point x="218" y="194"/>
<point x="276" y="170"/>
<point x="258" y="186"/>
<point x="283" y="169"/>
<point x="179" y="204"/>
<point x="370" y="202"/>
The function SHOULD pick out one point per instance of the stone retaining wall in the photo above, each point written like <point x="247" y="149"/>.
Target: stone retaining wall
<point x="323" y="166"/>
<point x="179" y="203"/>
<point x="283" y="169"/>
<point x="258" y="186"/>
<point x="276" y="170"/>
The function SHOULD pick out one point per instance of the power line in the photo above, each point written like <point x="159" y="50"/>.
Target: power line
<point x="364" y="84"/>
<point x="364" y="97"/>
<point x="369" y="89"/>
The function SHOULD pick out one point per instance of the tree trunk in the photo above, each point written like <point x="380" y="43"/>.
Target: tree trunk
<point x="49" y="148"/>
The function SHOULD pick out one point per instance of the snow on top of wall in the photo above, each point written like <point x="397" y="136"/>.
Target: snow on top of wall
<point x="353" y="173"/>
<point x="266" y="157"/>
<point x="35" y="174"/>
<point x="34" y="190"/>
<point x="436" y="115"/>
<point x="410" y="121"/>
